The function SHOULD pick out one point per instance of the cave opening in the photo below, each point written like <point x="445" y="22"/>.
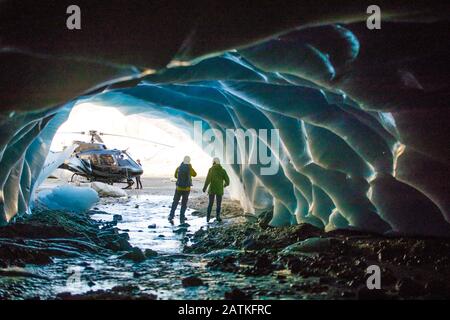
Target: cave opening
<point x="352" y="121"/>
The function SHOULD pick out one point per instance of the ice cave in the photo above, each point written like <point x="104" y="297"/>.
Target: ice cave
<point x="362" y="114"/>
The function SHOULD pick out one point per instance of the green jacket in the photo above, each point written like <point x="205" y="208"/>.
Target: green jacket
<point x="217" y="179"/>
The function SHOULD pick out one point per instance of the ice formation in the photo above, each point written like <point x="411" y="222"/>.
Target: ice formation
<point x="68" y="198"/>
<point x="362" y="114"/>
<point x="105" y="190"/>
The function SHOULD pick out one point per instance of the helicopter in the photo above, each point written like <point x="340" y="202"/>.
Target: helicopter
<point x="93" y="161"/>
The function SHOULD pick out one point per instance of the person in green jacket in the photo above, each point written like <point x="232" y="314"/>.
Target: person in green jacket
<point x="217" y="179"/>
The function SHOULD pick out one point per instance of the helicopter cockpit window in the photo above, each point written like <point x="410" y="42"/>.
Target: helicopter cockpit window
<point x="122" y="158"/>
<point x="94" y="160"/>
<point x="86" y="157"/>
<point x="106" y="159"/>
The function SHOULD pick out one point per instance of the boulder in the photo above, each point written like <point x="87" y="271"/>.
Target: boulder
<point x="135" y="254"/>
<point x="149" y="253"/>
<point x="311" y="245"/>
<point x="192" y="282"/>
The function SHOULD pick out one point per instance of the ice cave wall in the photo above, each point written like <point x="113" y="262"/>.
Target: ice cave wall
<point x="362" y="114"/>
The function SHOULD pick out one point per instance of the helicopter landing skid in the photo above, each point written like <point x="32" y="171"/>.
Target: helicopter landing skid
<point x="77" y="178"/>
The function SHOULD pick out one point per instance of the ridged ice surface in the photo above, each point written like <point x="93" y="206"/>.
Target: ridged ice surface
<point x="362" y="114"/>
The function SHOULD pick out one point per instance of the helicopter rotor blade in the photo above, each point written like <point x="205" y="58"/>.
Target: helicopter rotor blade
<point x="135" y="138"/>
<point x="73" y="132"/>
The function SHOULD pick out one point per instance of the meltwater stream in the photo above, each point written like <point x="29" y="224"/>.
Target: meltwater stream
<point x="144" y="218"/>
<point x="161" y="275"/>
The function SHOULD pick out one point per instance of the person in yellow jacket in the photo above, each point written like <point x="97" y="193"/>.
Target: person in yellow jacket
<point x="183" y="174"/>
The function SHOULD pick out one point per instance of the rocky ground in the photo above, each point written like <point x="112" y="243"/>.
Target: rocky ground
<point x="333" y="264"/>
<point x="241" y="258"/>
<point x="38" y="238"/>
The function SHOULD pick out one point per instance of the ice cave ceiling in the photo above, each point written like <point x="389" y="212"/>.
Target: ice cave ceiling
<point x="363" y="114"/>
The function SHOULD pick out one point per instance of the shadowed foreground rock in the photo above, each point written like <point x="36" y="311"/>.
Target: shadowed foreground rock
<point x="37" y="238"/>
<point x="116" y="293"/>
<point x="331" y="264"/>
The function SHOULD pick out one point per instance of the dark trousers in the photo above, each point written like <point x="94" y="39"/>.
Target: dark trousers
<point x="210" y="205"/>
<point x="184" y="195"/>
<point x="138" y="182"/>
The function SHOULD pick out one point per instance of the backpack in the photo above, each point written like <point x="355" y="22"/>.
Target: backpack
<point x="184" y="176"/>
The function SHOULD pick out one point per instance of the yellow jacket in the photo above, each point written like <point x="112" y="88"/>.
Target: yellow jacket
<point x="193" y="174"/>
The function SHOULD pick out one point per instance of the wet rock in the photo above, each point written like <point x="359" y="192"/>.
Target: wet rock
<point x="149" y="253"/>
<point x="221" y="253"/>
<point x="264" y="219"/>
<point x="136" y="206"/>
<point x="118" y="244"/>
<point x="261" y="265"/>
<point x="123" y="244"/>
<point x="263" y="262"/>
<point x="192" y="282"/>
<point x="116" y="293"/>
<point x="386" y="254"/>
<point x="152" y="226"/>
<point x="20" y="272"/>
<point x="180" y="230"/>
<point x="135" y="254"/>
<point x="250" y="217"/>
<point x="161" y="236"/>
<point x="200" y="233"/>
<point x="306" y="230"/>
<point x="125" y="288"/>
<point x="224" y="264"/>
<point x="117" y="218"/>
<point x="311" y="245"/>
<point x="237" y="294"/>
<point x="408" y="287"/>
<point x="125" y="236"/>
<point x="136" y="274"/>
<point x="250" y="243"/>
